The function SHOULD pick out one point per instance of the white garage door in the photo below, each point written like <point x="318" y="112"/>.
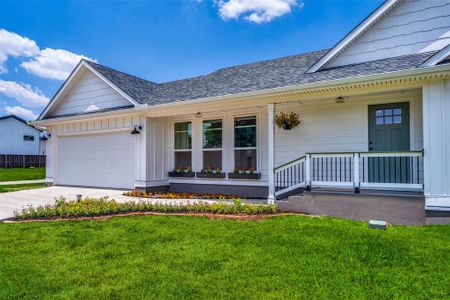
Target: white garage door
<point x="101" y="160"/>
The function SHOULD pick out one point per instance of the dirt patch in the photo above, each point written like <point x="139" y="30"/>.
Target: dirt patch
<point x="238" y="217"/>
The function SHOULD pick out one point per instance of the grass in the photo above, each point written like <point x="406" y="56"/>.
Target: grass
<point x="20" y="187"/>
<point x="169" y="257"/>
<point x="16" y="174"/>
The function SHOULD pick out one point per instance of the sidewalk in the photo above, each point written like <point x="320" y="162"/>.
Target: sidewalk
<point x="22" y="182"/>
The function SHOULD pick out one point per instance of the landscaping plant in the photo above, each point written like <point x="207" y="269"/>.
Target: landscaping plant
<point x="93" y="207"/>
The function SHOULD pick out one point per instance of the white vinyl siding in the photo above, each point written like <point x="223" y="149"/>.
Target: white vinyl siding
<point x="412" y="26"/>
<point x="88" y="92"/>
<point x="331" y="127"/>
<point x="100" y="160"/>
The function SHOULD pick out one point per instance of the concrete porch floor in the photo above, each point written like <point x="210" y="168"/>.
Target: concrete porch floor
<point x="405" y="209"/>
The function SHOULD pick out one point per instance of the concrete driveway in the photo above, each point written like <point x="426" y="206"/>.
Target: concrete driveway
<point x="9" y="202"/>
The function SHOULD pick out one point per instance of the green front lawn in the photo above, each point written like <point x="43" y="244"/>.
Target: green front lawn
<point x="19" y="187"/>
<point x="173" y="257"/>
<point x="16" y="174"/>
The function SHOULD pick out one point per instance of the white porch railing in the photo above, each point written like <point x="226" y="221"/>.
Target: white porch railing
<point x="290" y="176"/>
<point x="357" y="170"/>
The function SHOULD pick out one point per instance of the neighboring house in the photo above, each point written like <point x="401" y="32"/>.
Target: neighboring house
<point x="375" y="113"/>
<point x="19" y="138"/>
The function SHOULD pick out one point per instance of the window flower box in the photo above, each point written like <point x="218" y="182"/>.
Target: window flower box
<point x="181" y="174"/>
<point x="210" y="175"/>
<point x="244" y="175"/>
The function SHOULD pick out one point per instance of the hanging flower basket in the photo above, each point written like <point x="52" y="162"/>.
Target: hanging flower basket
<point x="287" y="121"/>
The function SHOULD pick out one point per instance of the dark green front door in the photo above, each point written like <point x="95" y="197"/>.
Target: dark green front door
<point x="389" y="132"/>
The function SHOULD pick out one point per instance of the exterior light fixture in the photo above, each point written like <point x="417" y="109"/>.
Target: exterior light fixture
<point x="136" y="129"/>
<point x="339" y="100"/>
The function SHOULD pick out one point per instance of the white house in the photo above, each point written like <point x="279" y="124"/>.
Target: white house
<point x="375" y="112"/>
<point x="19" y="138"/>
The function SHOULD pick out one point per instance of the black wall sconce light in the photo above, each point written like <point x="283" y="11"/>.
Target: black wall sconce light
<point x="340" y="100"/>
<point x="137" y="129"/>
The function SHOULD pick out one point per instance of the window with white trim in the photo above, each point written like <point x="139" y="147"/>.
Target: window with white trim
<point x="245" y="143"/>
<point x="212" y="144"/>
<point x="183" y="145"/>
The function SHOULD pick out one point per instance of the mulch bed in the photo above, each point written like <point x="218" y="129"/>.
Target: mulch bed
<point x="238" y="217"/>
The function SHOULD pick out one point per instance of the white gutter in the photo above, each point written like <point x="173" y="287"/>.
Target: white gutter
<point x="266" y="92"/>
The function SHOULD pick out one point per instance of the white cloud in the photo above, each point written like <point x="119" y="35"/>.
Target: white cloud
<point x="12" y="44"/>
<point x="47" y="63"/>
<point x="23" y="93"/>
<point x="21" y="112"/>
<point x="256" y="11"/>
<point x="53" y="63"/>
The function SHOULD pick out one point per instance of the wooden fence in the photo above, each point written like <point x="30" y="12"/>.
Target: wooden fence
<point x="21" y="161"/>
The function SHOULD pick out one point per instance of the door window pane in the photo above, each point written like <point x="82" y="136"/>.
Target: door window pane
<point x="183" y="160"/>
<point x="387" y="120"/>
<point x="397" y="111"/>
<point x="380" y="120"/>
<point x="397" y="119"/>
<point x="245" y="159"/>
<point x="379" y="113"/>
<point x="212" y="159"/>
<point x="212" y="134"/>
<point x="388" y="112"/>
<point x="245" y="132"/>
<point x="183" y="135"/>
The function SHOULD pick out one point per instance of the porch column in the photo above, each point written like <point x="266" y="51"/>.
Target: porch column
<point x="436" y="135"/>
<point x="271" y="151"/>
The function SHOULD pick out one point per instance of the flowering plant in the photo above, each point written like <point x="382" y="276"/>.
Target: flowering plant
<point x="210" y="170"/>
<point x="182" y="170"/>
<point x="244" y="171"/>
<point x="287" y="121"/>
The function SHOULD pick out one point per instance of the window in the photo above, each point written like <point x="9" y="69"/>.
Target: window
<point x="245" y="143"/>
<point x="183" y="145"/>
<point x="388" y="116"/>
<point x="28" y="138"/>
<point x="212" y="144"/>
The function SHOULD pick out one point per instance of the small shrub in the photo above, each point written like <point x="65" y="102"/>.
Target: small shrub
<point x="92" y="207"/>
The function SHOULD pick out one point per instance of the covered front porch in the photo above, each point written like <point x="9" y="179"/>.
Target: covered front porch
<point x="350" y="143"/>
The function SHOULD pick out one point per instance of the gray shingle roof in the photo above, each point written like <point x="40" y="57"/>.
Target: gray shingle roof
<point x="275" y="73"/>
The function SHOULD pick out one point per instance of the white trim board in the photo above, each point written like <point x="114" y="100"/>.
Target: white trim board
<point x="438" y="57"/>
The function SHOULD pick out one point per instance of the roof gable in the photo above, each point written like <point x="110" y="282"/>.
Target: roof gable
<point x="102" y="91"/>
<point x="396" y="28"/>
<point x="354" y="34"/>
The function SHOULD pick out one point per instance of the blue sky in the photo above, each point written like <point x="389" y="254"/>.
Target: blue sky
<point x="156" y="40"/>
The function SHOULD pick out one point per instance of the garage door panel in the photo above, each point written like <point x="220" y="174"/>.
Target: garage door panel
<point x="106" y="160"/>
